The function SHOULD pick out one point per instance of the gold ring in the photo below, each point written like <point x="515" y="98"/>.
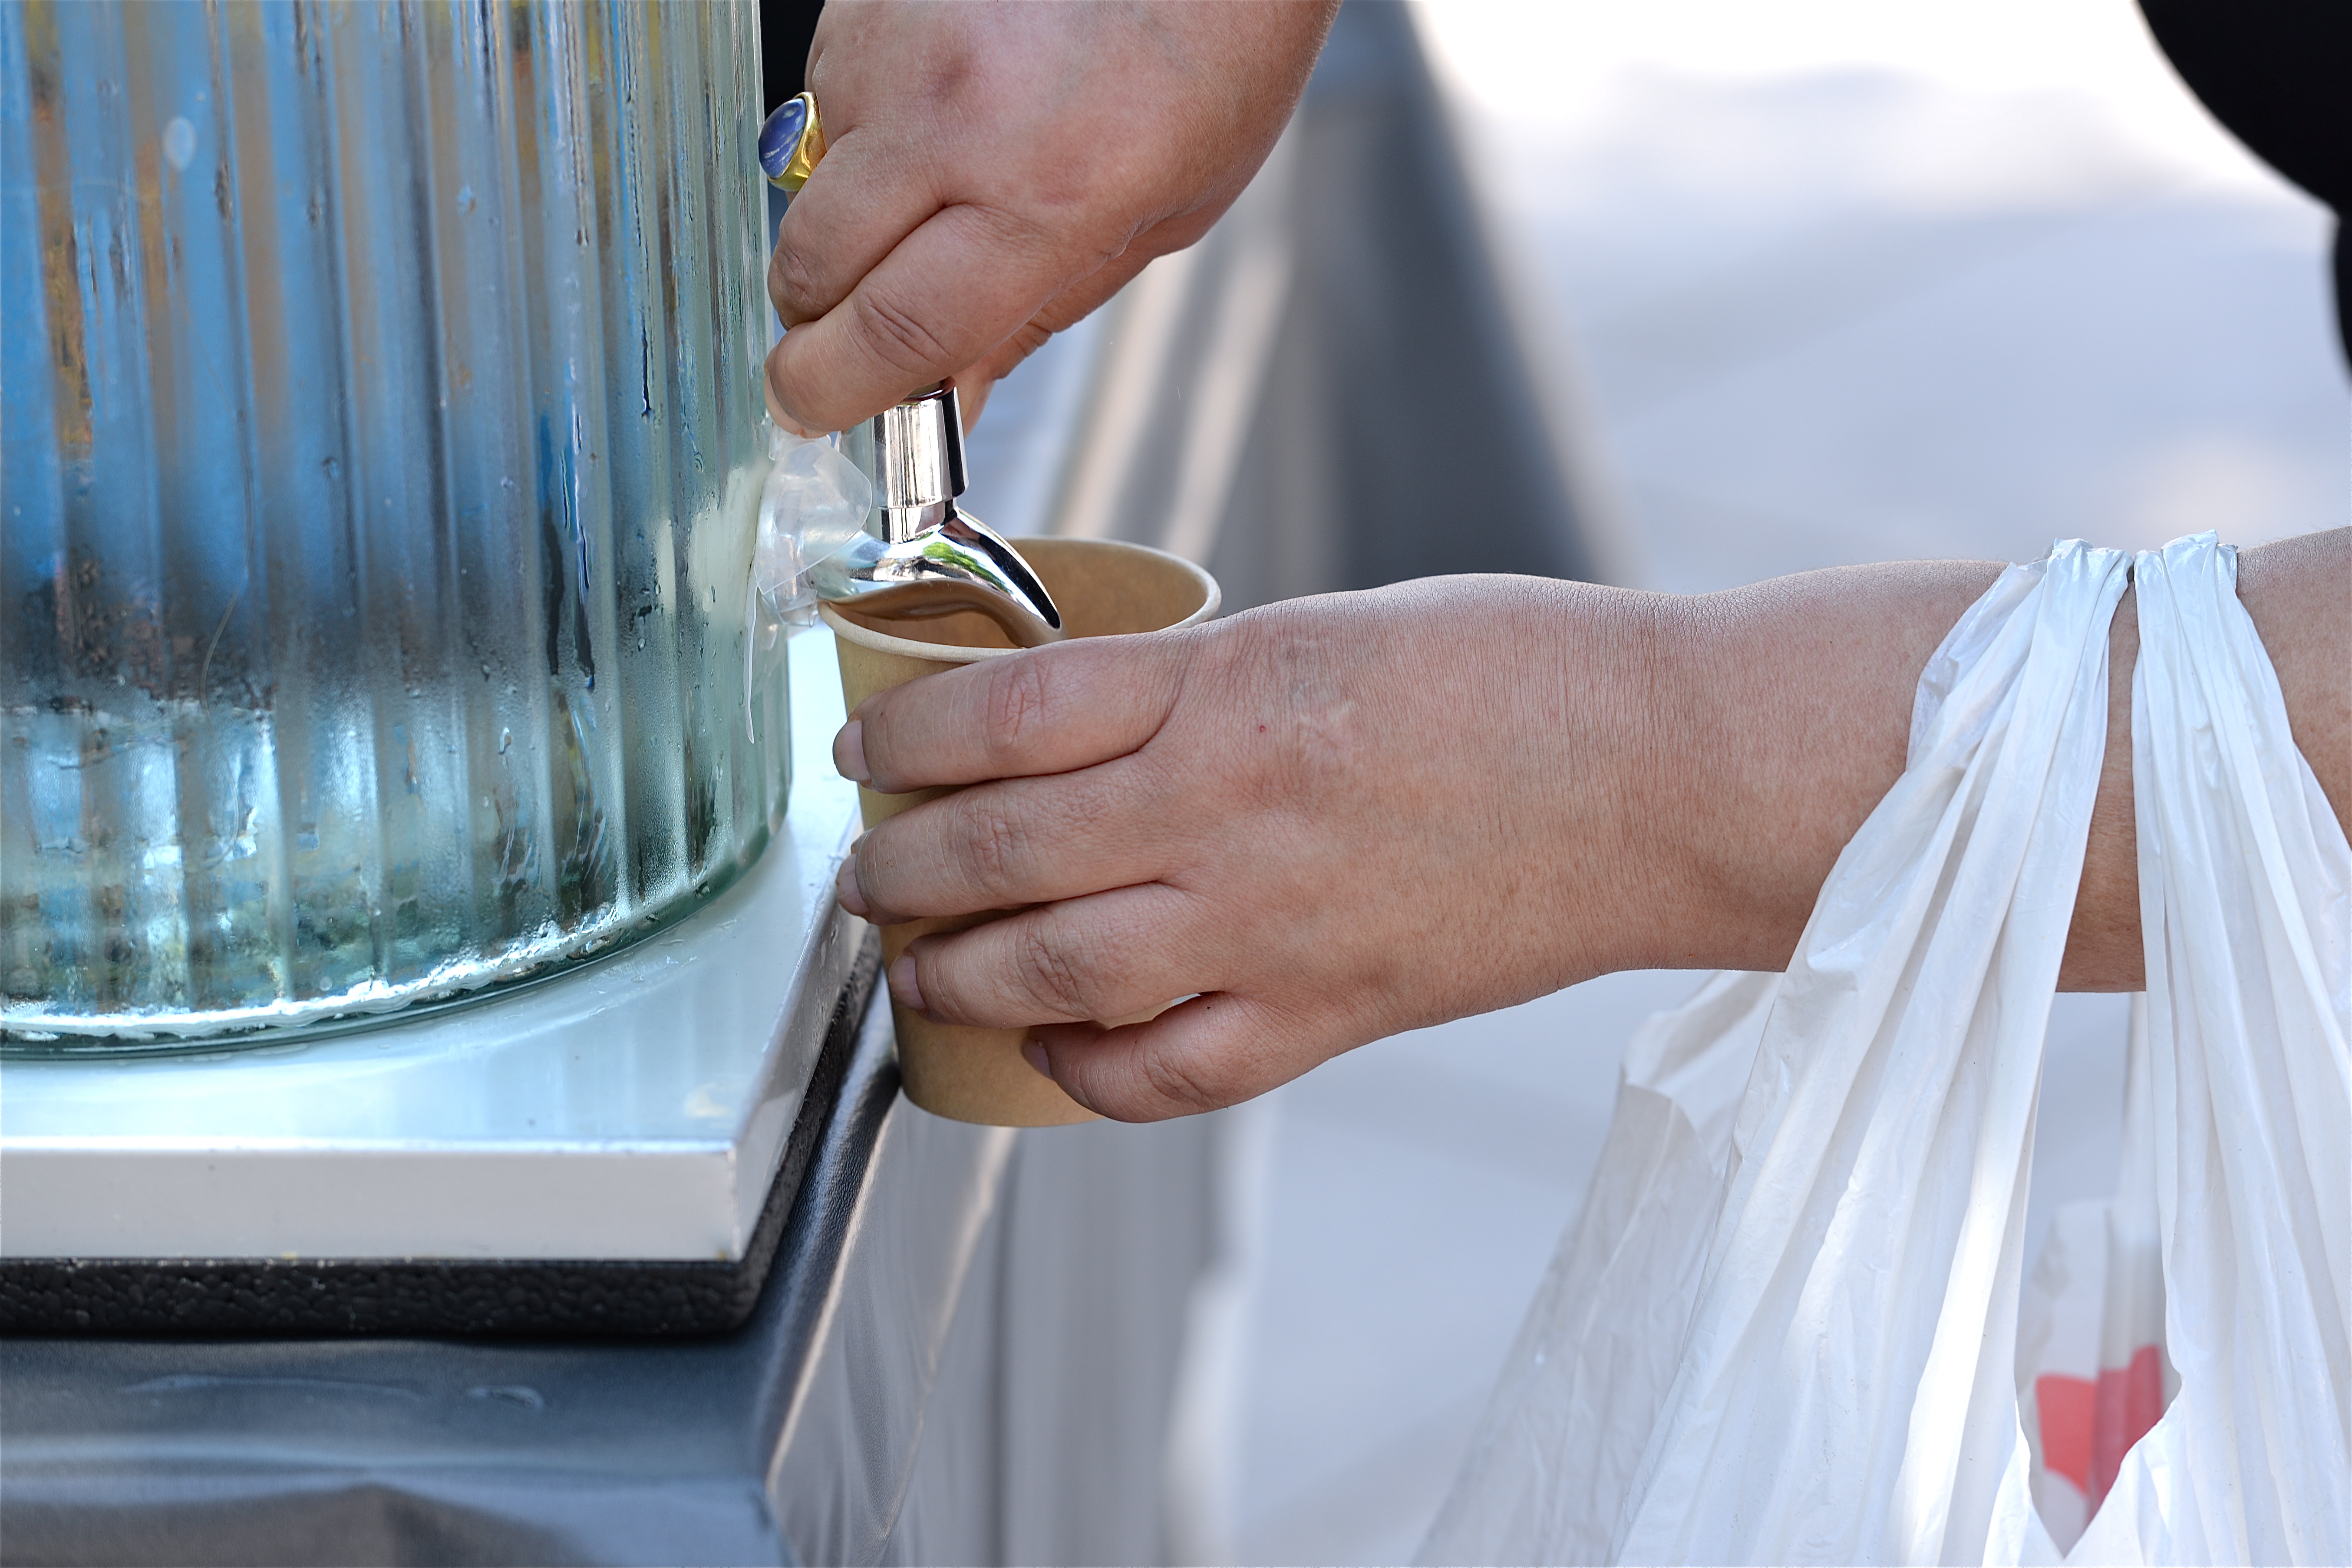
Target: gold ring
<point x="791" y="141"/>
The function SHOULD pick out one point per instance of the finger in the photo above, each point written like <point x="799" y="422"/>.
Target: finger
<point x="1210" y="1052"/>
<point x="870" y="193"/>
<point x="1002" y="846"/>
<point x="943" y="299"/>
<point x="776" y="413"/>
<point x="972" y="387"/>
<point x="1105" y="956"/>
<point x="1045" y="710"/>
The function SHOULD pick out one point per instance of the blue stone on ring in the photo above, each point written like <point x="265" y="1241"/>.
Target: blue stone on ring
<point x="780" y="137"/>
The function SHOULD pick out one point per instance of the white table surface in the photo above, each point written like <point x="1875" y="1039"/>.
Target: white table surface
<point x="636" y="1109"/>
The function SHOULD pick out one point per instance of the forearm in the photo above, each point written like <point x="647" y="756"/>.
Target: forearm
<point x="1794" y="700"/>
<point x="1335" y="819"/>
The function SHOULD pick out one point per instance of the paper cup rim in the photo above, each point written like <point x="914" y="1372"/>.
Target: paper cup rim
<point x="945" y="652"/>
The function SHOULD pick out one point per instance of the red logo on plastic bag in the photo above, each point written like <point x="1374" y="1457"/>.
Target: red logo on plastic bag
<point x="2087" y="1428"/>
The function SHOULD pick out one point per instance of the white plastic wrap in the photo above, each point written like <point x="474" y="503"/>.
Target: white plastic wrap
<point x="813" y="505"/>
<point x="1790" y="1334"/>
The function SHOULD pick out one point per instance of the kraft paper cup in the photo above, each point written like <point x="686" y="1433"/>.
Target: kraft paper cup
<point x="1103" y="588"/>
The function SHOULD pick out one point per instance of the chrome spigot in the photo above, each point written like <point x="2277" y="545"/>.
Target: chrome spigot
<point x="934" y="559"/>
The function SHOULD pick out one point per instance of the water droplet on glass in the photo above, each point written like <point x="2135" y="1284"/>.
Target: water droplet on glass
<point x="179" y="142"/>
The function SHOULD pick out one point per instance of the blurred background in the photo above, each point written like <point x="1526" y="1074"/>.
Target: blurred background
<point x="1678" y="295"/>
<point x="1811" y="284"/>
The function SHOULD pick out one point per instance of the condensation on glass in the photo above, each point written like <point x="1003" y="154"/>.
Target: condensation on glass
<point x="381" y="452"/>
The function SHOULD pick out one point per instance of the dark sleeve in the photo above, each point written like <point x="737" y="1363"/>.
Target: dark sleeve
<point x="787" y="28"/>
<point x="2278" y="73"/>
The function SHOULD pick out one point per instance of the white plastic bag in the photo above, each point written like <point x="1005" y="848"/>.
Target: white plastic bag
<point x="2245" y="891"/>
<point x="1560" y="1440"/>
<point x="2091" y="1372"/>
<point x="1841" y="1385"/>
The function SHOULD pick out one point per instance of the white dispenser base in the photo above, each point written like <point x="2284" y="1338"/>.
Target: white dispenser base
<point x="635" y="1110"/>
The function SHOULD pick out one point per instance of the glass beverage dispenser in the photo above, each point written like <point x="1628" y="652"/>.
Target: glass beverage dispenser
<point x="379" y="472"/>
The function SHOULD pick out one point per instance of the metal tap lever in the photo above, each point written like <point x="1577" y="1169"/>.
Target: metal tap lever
<point x="935" y="559"/>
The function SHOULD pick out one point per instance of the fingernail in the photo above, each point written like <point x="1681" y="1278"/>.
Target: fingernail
<point x="849" y="753"/>
<point x="903" y="985"/>
<point x="1034" y="1054"/>
<point x="846" y="890"/>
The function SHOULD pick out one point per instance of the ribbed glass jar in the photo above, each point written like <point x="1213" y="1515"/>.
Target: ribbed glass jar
<point x="379" y="471"/>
